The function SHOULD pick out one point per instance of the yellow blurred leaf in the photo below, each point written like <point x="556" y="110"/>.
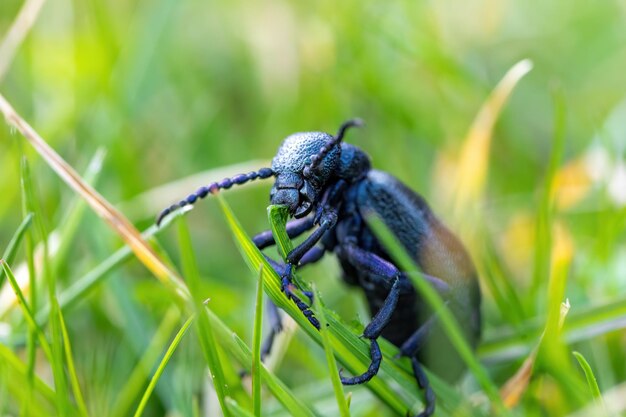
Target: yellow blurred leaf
<point x="518" y="242"/>
<point x="571" y="184"/>
<point x="470" y="171"/>
<point x="514" y="387"/>
<point x="562" y="254"/>
<point x="563" y="248"/>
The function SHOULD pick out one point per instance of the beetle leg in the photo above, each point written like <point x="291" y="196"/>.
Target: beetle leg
<point x="287" y="287"/>
<point x="276" y="326"/>
<point x="330" y="198"/>
<point x="329" y="219"/>
<point x="414" y="343"/>
<point x="376" y="358"/>
<point x="312" y="256"/>
<point x="372" y="264"/>
<point x="424" y="384"/>
<point x="372" y="331"/>
<point x="294" y="229"/>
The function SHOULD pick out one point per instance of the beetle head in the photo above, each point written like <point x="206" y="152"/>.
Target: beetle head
<point x="296" y="186"/>
<point x="303" y="165"/>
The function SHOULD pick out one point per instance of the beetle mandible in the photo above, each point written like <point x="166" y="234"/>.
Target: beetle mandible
<point x="329" y="184"/>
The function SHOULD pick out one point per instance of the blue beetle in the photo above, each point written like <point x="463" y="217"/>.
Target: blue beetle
<point x="329" y="184"/>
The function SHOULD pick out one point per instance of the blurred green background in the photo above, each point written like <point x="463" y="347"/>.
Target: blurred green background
<point x="172" y="88"/>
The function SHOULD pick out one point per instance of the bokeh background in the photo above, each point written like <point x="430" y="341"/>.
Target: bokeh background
<point x="169" y="89"/>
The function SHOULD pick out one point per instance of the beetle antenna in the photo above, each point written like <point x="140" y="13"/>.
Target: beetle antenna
<point x="336" y="140"/>
<point x="345" y="126"/>
<point x="213" y="188"/>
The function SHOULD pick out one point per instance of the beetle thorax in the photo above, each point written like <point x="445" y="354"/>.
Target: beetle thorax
<point x="296" y="152"/>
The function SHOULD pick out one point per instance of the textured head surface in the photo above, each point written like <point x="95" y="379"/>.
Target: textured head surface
<point x="297" y="149"/>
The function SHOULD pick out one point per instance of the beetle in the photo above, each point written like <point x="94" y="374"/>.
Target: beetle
<point x="330" y="186"/>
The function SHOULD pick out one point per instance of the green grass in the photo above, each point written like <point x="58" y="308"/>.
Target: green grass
<point x="256" y="346"/>
<point x="171" y="89"/>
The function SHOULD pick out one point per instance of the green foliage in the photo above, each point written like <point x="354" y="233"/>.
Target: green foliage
<point x="256" y="346"/>
<point x="170" y="89"/>
<point x="591" y="378"/>
<point x="159" y="371"/>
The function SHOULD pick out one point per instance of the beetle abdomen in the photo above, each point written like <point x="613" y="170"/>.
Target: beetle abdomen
<point x="403" y="211"/>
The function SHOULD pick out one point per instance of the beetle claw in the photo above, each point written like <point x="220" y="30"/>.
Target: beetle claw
<point x="376" y="358"/>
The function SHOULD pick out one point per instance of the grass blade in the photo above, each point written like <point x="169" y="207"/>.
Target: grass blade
<point x="204" y="328"/>
<point x="544" y="220"/>
<point x="64" y="235"/>
<point x="41" y="400"/>
<point x="278" y="217"/>
<point x="56" y="361"/>
<point x="28" y="208"/>
<point x="236" y="410"/>
<point x="503" y="292"/>
<point x="256" y="347"/>
<point x="591" y="378"/>
<point x="28" y="315"/>
<point x="14" y="243"/>
<point x="344" y="410"/>
<point x="136" y="380"/>
<point x="62" y="406"/>
<point x="553" y="354"/>
<point x="159" y="371"/>
<point x="82" y="286"/>
<point x="74" y="213"/>
<point x="78" y="395"/>
<point x="243" y="354"/>
<point x="85" y="284"/>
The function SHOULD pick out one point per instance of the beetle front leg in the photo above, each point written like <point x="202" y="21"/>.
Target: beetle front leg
<point x="315" y="254"/>
<point x="287" y="287"/>
<point x="264" y="239"/>
<point x="294" y="229"/>
<point x="326" y="217"/>
<point x="424" y="384"/>
<point x="273" y="315"/>
<point x="328" y="220"/>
